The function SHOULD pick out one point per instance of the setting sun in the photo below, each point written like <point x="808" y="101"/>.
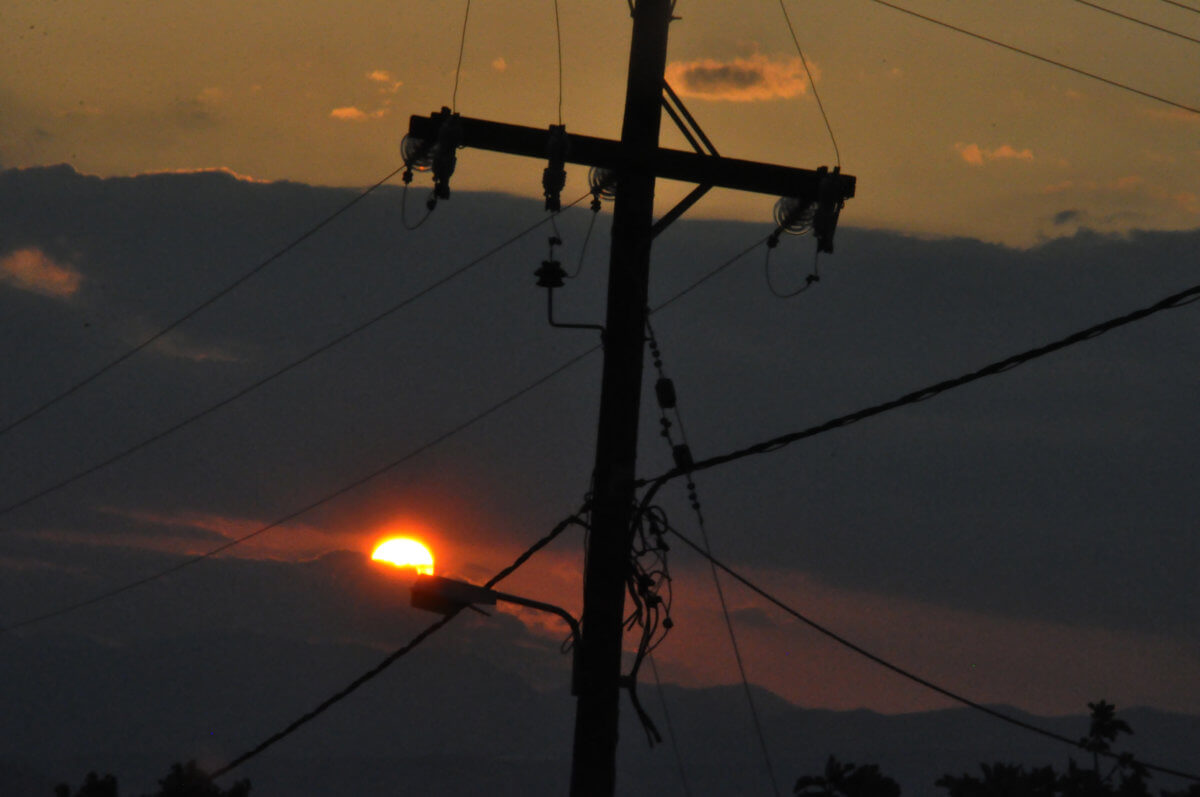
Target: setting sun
<point x="405" y="552"/>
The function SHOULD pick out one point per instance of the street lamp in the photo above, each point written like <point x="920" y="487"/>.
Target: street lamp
<point x="448" y="595"/>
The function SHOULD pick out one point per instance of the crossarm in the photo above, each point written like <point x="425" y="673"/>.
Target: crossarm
<point x="670" y="164"/>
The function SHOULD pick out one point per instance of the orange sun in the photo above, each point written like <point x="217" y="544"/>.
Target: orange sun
<point x="405" y="552"/>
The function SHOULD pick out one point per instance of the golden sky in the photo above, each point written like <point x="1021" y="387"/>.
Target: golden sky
<point x="947" y="135"/>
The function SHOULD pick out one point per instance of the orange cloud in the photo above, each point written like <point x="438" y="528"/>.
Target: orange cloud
<point x="499" y="64"/>
<point x="245" y="178"/>
<point x="185" y="350"/>
<point x="388" y="83"/>
<point x="739" y="80"/>
<point x="352" y="114"/>
<point x="977" y="155"/>
<point x="33" y="270"/>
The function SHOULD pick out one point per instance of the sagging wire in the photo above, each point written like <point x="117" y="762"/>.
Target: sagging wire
<point x="811" y="279"/>
<point x="430" y="204"/>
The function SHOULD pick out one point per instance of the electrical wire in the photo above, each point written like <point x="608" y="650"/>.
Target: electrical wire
<point x="694" y="500"/>
<point x="811" y="279"/>
<point x="211" y="300"/>
<point x="462" y="46"/>
<point x="843" y="641"/>
<point x="558" y="41"/>
<point x="662" y="699"/>
<point x="812" y="83"/>
<point x="584" y="248"/>
<point x="1137" y="21"/>
<point x="1184" y="6"/>
<point x="126" y="587"/>
<point x="709" y="275"/>
<point x="774" y="444"/>
<point x="393" y="657"/>
<point x="331" y="344"/>
<point x="404" y="211"/>
<point x="325" y="499"/>
<point x="1042" y="58"/>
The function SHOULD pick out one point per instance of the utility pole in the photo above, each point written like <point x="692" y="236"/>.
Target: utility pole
<point x="636" y="161"/>
<point x="593" y="768"/>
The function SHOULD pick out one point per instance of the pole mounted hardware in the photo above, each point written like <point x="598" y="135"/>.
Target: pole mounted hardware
<point x="447" y="595"/>
<point x="626" y="169"/>
<point x="823" y="190"/>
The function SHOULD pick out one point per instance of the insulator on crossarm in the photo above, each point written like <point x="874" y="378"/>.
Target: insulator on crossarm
<point x="554" y="176"/>
<point x="829" y="207"/>
<point x="794" y="216"/>
<point x="603" y="183"/>
<point x="445" y="153"/>
<point x="417" y="153"/>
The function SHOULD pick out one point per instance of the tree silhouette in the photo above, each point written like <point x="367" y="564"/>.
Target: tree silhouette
<point x="1002" y="780"/>
<point x="93" y="786"/>
<point x="188" y="780"/>
<point x="1125" y="778"/>
<point x="184" y="780"/>
<point x="847" y="780"/>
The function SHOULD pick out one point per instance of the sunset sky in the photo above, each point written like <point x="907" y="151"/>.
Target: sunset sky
<point x="1029" y="540"/>
<point x="950" y="135"/>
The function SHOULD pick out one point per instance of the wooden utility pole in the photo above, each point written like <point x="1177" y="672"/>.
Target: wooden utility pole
<point x="636" y="161"/>
<point x="593" y="769"/>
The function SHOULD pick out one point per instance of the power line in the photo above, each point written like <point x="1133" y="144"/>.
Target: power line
<point x="1184" y="6"/>
<point x="1169" y="303"/>
<point x="558" y="41"/>
<point x="337" y="493"/>
<point x="668" y="399"/>
<point x="816" y="95"/>
<point x="155" y="576"/>
<point x="662" y="699"/>
<point x="337" y="341"/>
<point x="1137" y="21"/>
<point x="197" y="309"/>
<point x="841" y="640"/>
<point x="462" y="46"/>
<point x="1041" y="58"/>
<point x="391" y="658"/>
<point x="709" y="275"/>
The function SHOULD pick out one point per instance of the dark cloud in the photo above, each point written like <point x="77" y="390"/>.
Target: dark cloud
<point x="711" y="78"/>
<point x="1067" y="216"/>
<point x="1059" y="491"/>
<point x="756" y="77"/>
